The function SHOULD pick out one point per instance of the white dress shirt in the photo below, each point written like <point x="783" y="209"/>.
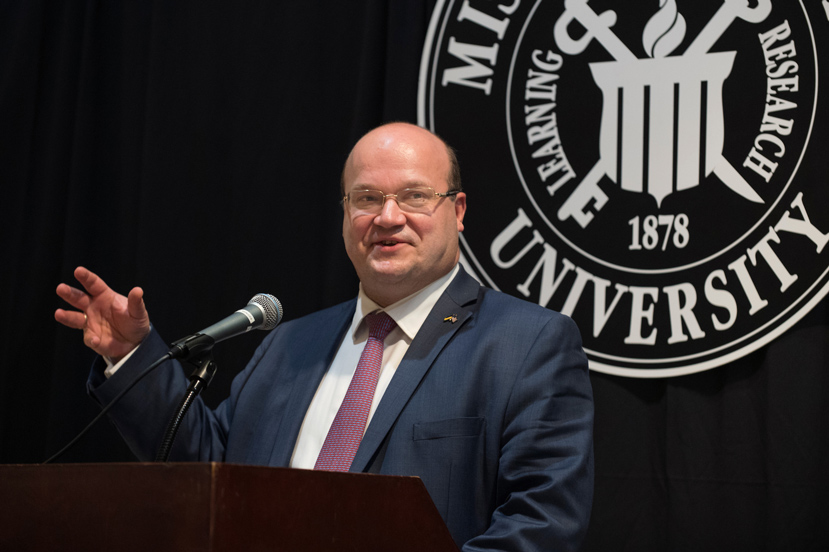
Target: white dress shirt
<point x="409" y="314"/>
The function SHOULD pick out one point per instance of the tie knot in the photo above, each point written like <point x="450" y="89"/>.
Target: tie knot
<point x="379" y="325"/>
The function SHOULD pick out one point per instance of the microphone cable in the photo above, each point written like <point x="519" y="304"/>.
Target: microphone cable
<point x="108" y="407"/>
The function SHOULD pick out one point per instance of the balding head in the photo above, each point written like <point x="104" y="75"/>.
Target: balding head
<point x="453" y="175"/>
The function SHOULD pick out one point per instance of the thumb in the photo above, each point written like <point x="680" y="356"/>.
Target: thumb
<point x="135" y="304"/>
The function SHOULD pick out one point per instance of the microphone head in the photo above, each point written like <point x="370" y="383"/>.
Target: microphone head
<point x="272" y="308"/>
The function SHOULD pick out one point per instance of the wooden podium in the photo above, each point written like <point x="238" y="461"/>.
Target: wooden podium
<point x="211" y="507"/>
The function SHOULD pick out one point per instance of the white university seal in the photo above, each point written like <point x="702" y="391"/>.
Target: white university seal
<point x="654" y="169"/>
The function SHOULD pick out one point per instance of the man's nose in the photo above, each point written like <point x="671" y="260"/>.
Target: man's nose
<point x="390" y="214"/>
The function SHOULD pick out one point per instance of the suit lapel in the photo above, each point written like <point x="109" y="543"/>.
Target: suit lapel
<point x="306" y="379"/>
<point x="458" y="300"/>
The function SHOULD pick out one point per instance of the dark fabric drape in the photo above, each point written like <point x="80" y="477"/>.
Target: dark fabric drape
<point x="194" y="148"/>
<point x="734" y="458"/>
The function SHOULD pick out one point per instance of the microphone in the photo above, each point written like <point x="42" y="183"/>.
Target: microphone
<point x="263" y="312"/>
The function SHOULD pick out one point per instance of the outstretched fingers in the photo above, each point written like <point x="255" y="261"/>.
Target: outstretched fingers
<point x="71" y="319"/>
<point x="73" y="296"/>
<point x="92" y="283"/>
<point x="112" y="324"/>
<point x="80" y="299"/>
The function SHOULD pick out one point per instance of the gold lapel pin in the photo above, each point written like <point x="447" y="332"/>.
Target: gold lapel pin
<point x="451" y="318"/>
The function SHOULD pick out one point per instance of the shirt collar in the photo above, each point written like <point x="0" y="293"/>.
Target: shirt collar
<point x="409" y="313"/>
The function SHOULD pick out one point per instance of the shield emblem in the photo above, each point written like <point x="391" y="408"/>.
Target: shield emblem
<point x="662" y="120"/>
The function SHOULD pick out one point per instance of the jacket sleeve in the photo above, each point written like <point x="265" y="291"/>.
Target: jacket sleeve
<point x="544" y="485"/>
<point x="142" y="414"/>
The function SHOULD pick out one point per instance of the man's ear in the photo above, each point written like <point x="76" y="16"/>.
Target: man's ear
<point x="460" y="209"/>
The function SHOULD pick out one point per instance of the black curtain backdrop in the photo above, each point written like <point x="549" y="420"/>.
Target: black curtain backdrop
<point x="194" y="148"/>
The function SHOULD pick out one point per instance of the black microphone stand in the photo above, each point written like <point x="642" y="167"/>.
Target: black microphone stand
<point x="205" y="369"/>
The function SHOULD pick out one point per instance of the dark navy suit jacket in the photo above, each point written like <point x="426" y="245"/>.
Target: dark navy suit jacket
<point x="494" y="412"/>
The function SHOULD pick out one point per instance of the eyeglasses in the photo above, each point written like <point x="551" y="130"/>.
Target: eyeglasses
<point x="410" y="200"/>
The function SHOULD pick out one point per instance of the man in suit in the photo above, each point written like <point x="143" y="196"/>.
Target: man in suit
<point x="485" y="397"/>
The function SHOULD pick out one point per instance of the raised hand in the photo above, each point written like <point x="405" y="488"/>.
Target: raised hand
<point x="112" y="324"/>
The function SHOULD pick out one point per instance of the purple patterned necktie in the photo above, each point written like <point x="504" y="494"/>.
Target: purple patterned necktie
<point x="346" y="432"/>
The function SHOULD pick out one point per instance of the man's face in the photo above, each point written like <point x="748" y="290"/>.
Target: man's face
<point x="396" y="253"/>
